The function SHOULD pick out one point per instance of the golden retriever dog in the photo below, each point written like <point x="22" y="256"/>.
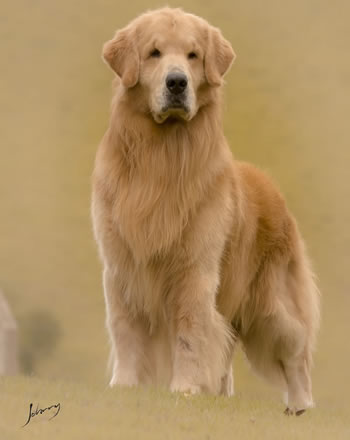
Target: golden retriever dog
<point x="199" y="250"/>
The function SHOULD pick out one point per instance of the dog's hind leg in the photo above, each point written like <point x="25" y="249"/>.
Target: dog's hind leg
<point x="277" y="348"/>
<point x="279" y="338"/>
<point x="297" y="338"/>
<point x="297" y="375"/>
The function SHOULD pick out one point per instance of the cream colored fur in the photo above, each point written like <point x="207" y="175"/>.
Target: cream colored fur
<point x="198" y="249"/>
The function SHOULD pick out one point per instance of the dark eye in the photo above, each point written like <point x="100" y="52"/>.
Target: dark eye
<point x="155" y="53"/>
<point x="192" y="55"/>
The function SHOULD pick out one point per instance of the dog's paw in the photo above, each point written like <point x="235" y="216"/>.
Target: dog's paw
<point x="288" y="412"/>
<point x="124" y="379"/>
<point x="291" y="412"/>
<point x="184" y="387"/>
<point x="298" y="404"/>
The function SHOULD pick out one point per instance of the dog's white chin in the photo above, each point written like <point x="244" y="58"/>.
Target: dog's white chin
<point x="173" y="114"/>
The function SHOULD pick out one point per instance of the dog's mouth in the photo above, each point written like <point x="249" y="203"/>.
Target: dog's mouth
<point x="175" y="108"/>
<point x="173" y="112"/>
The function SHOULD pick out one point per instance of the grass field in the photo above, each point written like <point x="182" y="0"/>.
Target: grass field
<point x="89" y="412"/>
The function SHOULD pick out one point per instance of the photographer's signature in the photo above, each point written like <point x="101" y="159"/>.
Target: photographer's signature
<point x="38" y="411"/>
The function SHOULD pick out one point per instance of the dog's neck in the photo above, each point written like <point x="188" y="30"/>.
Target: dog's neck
<point x="163" y="171"/>
<point x="176" y="149"/>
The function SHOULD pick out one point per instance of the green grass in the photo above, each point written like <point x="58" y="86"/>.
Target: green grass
<point x="90" y="412"/>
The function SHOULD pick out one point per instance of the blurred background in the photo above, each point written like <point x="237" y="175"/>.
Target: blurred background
<point x="287" y="110"/>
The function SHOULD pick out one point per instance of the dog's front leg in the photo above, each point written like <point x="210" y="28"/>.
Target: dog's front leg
<point x="200" y="336"/>
<point x="127" y="334"/>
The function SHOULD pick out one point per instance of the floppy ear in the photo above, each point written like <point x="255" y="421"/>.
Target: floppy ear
<point x="122" y="56"/>
<point x="218" y="57"/>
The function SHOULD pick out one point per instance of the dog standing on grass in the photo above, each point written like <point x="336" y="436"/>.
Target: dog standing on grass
<point x="196" y="246"/>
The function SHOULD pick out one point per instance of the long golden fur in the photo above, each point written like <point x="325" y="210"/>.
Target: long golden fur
<point x="198" y="249"/>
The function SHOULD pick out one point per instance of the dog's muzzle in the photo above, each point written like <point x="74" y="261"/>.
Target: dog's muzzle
<point x="175" y="102"/>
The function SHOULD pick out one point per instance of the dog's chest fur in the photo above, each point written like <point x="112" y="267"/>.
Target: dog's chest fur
<point x="156" y="197"/>
<point x="154" y="202"/>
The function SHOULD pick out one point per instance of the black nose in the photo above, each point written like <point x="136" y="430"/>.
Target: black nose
<point x="176" y="82"/>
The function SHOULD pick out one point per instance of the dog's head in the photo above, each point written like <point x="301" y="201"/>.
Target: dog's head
<point x="173" y="58"/>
